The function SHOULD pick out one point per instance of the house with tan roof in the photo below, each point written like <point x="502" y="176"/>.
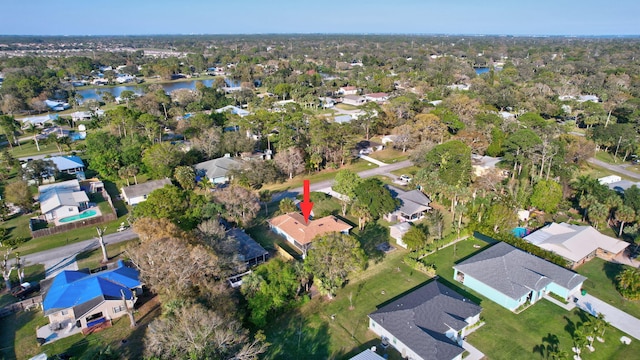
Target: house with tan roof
<point x="577" y="244"/>
<point x="300" y="233"/>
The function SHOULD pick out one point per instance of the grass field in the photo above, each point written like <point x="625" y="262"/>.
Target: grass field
<point x="601" y="284"/>
<point x="325" y="328"/>
<point x="389" y="155"/>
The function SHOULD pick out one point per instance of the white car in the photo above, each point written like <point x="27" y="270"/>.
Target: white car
<point x="405" y="178"/>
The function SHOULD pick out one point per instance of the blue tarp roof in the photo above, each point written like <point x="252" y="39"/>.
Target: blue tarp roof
<point x="72" y="288"/>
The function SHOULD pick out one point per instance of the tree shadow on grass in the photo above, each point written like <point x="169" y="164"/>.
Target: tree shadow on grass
<point x="550" y="345"/>
<point x="371" y="236"/>
<point x="612" y="270"/>
<point x="295" y="337"/>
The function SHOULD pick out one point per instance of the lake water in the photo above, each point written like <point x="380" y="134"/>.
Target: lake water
<point x="94" y="94"/>
<point x="482" y="70"/>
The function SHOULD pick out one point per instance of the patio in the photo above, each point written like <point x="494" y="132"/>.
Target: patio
<point x="57" y="331"/>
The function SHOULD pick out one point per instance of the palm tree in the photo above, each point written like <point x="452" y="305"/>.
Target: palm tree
<point x="598" y="214"/>
<point x="583" y="184"/>
<point x="9" y="126"/>
<point x="625" y="214"/>
<point x="123" y="174"/>
<point x="585" y="202"/>
<point x="132" y="170"/>
<point x="629" y="283"/>
<point x="613" y="202"/>
<point x="361" y="212"/>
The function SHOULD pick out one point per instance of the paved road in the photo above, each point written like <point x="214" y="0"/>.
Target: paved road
<point x="64" y="253"/>
<point x="315" y="186"/>
<point x="61" y="256"/>
<point x="620" y="169"/>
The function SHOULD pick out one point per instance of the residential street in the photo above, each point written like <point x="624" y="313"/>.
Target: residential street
<point x="315" y="186"/>
<point x="62" y="256"/>
<point x="617" y="168"/>
<point x="64" y="253"/>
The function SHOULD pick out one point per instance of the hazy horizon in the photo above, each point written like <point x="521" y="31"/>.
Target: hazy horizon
<point x="587" y="18"/>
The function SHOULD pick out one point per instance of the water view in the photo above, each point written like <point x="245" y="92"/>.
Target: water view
<point x="95" y="93"/>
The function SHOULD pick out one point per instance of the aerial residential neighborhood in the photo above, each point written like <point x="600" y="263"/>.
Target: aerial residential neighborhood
<point x="334" y="191"/>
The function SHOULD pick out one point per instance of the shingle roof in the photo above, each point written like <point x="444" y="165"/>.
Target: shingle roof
<point x="248" y="248"/>
<point x="217" y="168"/>
<point x="412" y="201"/>
<point x="294" y="225"/>
<point x="134" y="191"/>
<point x="82" y="291"/>
<point x="367" y="355"/>
<point x="514" y="272"/>
<point x="574" y="242"/>
<point x="421" y="318"/>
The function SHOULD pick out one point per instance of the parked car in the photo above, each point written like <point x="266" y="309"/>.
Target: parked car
<point x="405" y="178"/>
<point x="25" y="289"/>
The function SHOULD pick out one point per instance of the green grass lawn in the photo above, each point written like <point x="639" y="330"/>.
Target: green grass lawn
<point x="411" y="170"/>
<point x="509" y="336"/>
<point x="601" y="284"/>
<point x="92" y="259"/>
<point x="311" y="327"/>
<point x="389" y="155"/>
<point x="28" y="148"/>
<point x="346" y="107"/>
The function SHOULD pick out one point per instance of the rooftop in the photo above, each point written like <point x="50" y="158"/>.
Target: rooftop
<point x="514" y="272"/>
<point x="83" y="291"/>
<point x="421" y="318"/>
<point x="294" y="225"/>
<point x="146" y="188"/>
<point x="574" y="242"/>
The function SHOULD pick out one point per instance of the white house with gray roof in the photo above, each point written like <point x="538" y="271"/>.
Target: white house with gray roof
<point x="511" y="277"/>
<point x="62" y="199"/>
<point x="429" y="323"/>
<point x="413" y="205"/>
<point x="216" y="170"/>
<point x="138" y="193"/>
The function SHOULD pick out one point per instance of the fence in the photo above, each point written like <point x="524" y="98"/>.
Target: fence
<point x="20" y="306"/>
<point x="284" y="253"/>
<point x="79" y="224"/>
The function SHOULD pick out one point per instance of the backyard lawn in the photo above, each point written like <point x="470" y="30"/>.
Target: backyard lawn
<point x="330" y="329"/>
<point x="601" y="284"/>
<point x="18" y="339"/>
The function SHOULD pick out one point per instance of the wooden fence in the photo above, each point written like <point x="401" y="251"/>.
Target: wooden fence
<point x="79" y="224"/>
<point x="20" y="306"/>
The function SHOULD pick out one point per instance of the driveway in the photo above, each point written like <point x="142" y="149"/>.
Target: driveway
<point x="617" y="318"/>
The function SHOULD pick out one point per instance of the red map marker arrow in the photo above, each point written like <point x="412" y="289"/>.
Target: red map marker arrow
<point x="306" y="205"/>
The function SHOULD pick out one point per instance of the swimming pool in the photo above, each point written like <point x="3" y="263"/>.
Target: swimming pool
<point x="82" y="215"/>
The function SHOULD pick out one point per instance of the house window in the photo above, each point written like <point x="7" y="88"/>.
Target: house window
<point x="70" y="209"/>
<point x="64" y="312"/>
<point x="394" y="340"/>
<point x="118" y="309"/>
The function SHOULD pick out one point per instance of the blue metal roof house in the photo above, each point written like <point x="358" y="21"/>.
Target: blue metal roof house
<point x="86" y="300"/>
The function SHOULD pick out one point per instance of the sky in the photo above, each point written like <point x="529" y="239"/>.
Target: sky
<point x="491" y="17"/>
